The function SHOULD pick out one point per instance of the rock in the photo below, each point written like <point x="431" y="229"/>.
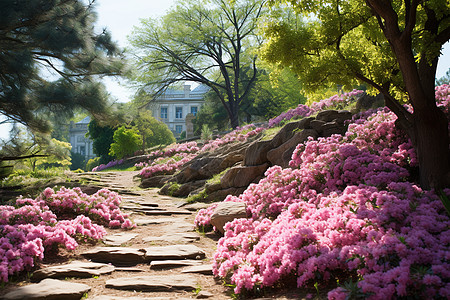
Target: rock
<point x="222" y="194"/>
<point x="154" y="181"/>
<point x="287" y="132"/>
<point x="256" y="153"/>
<point x="242" y="176"/>
<point x="226" y="212"/>
<point x="77" y="269"/>
<point x="181" y="237"/>
<point x="204" y="295"/>
<point x="119" y="238"/>
<point x="327" y="115"/>
<point x="154" y="283"/>
<point x="104" y="297"/>
<point x="366" y="102"/>
<point x="211" y="188"/>
<point x="151" y="221"/>
<point x="201" y="269"/>
<point x="169" y="264"/>
<point x="317" y="125"/>
<point x="282" y="155"/>
<point x="118" y="256"/>
<point x="331" y="128"/>
<point x="188" y="187"/>
<point x="49" y="289"/>
<point x="174" y="252"/>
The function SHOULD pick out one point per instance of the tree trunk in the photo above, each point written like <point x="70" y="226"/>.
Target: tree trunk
<point x="234" y="115"/>
<point x="432" y="147"/>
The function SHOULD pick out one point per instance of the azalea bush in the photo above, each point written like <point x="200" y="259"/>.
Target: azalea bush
<point x="348" y="209"/>
<point x="180" y="154"/>
<point x="32" y="227"/>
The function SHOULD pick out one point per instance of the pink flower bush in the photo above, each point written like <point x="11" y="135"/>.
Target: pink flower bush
<point x="175" y="156"/>
<point x="63" y="218"/>
<point x="347" y="206"/>
<point x="203" y="219"/>
<point x="108" y="165"/>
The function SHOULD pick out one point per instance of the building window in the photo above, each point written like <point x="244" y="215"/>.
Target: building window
<point x="163" y="112"/>
<point x="178" y="129"/>
<point x="80" y="139"/>
<point x="82" y="150"/>
<point x="178" y="112"/>
<point x="194" y="110"/>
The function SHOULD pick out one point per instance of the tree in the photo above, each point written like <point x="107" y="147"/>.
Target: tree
<point x="152" y="132"/>
<point x="42" y="39"/>
<point x="102" y="138"/>
<point x="126" y="142"/>
<point x="208" y="44"/>
<point x="393" y="46"/>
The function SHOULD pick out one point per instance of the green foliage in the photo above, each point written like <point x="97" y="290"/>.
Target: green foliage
<point x="152" y="132"/>
<point x="92" y="163"/>
<point x="209" y="44"/>
<point x="126" y="142"/>
<point x="207" y="133"/>
<point x="102" y="138"/>
<point x="78" y="161"/>
<point x="58" y="36"/>
<point x="444" y="79"/>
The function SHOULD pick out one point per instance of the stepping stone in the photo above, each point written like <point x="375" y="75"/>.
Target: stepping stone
<point x="179" y="227"/>
<point x="129" y="269"/>
<point x="137" y="298"/>
<point x="49" y="289"/>
<point x="204" y="295"/>
<point x="79" y="269"/>
<point x="186" y="237"/>
<point x="200" y="269"/>
<point x="174" y="252"/>
<point x="151" y="221"/>
<point x="170" y="264"/>
<point x="119" y="238"/>
<point x="153" y="212"/>
<point x="118" y="256"/>
<point x="154" y="283"/>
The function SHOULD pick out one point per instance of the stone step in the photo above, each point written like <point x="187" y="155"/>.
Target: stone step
<point x="170" y="264"/>
<point x="119" y="238"/>
<point x="182" y="237"/>
<point x="156" y="283"/>
<point x="200" y="269"/>
<point x="79" y="269"/>
<point x="49" y="289"/>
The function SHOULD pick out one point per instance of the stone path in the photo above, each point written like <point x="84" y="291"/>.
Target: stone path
<point x="163" y="258"/>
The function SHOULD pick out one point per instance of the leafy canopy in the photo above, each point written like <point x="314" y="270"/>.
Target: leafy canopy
<point x="50" y="60"/>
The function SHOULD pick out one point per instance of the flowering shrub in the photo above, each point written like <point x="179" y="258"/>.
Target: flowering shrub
<point x="108" y="165"/>
<point x="53" y="219"/>
<point x="203" y="219"/>
<point x="179" y="154"/>
<point x="336" y="102"/>
<point x="347" y="207"/>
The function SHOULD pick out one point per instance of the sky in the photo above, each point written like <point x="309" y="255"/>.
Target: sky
<point x="120" y="16"/>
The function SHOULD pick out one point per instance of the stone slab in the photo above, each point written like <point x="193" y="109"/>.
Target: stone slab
<point x="185" y="237"/>
<point x="200" y="269"/>
<point x="155" y="283"/>
<point x="118" y="239"/>
<point x="105" y="297"/>
<point x="174" y="252"/>
<point x="77" y="269"/>
<point x="151" y="221"/>
<point x="118" y="256"/>
<point x="51" y="289"/>
<point x="170" y="264"/>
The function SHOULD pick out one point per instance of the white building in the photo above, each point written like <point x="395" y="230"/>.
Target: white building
<point x="77" y="138"/>
<point x="173" y="106"/>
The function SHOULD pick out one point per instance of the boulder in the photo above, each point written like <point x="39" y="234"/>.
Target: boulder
<point x="188" y="187"/>
<point x="256" y="153"/>
<point x="317" y="125"/>
<point x="327" y="115"/>
<point x="282" y="155"/>
<point x="288" y="131"/>
<point x="226" y="212"/>
<point x="49" y="289"/>
<point x="154" y="181"/>
<point x="242" y="176"/>
<point x="220" y="195"/>
<point x="331" y="128"/>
